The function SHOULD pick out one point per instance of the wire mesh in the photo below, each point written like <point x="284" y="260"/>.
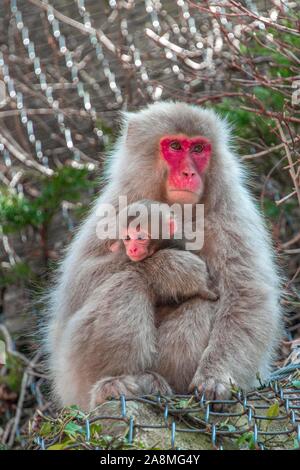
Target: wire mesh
<point x="266" y="418"/>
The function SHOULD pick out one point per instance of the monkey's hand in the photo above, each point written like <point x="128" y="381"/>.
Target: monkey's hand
<point x="176" y="275"/>
<point x="115" y="246"/>
<point x="214" y="386"/>
<point x="208" y="292"/>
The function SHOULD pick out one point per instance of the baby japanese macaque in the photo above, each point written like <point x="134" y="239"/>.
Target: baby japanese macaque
<point x="137" y="242"/>
<point x="136" y="236"/>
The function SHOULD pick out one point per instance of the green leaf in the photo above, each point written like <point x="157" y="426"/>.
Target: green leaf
<point x="243" y="49"/>
<point x="183" y="403"/>
<point x="72" y="429"/>
<point x="45" y="429"/>
<point x="296" y="383"/>
<point x="14" y="373"/>
<point x="246" y="438"/>
<point x="75" y="412"/>
<point x="273" y="411"/>
<point x="271" y="210"/>
<point x="60" y="446"/>
<point x="14" y="274"/>
<point x="96" y="429"/>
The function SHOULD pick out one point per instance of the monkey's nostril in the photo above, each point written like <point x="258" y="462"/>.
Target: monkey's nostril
<point x="188" y="174"/>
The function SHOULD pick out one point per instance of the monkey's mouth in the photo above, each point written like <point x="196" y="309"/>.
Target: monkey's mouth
<point x="137" y="258"/>
<point x="183" y="195"/>
<point x="182" y="191"/>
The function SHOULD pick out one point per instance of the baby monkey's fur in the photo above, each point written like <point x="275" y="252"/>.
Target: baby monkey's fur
<point x="136" y="234"/>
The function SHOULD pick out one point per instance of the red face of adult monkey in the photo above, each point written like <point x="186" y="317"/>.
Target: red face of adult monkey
<point x="187" y="160"/>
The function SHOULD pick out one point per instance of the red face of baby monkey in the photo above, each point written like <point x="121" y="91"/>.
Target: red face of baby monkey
<point x="137" y="245"/>
<point x="187" y="159"/>
<point x="137" y="241"/>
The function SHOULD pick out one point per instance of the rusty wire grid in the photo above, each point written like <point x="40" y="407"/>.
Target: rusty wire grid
<point x="267" y="418"/>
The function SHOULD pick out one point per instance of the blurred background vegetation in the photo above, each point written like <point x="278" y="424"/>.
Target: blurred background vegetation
<point x="66" y="68"/>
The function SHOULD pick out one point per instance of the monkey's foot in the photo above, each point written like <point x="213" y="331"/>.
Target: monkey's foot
<point x="212" y="388"/>
<point x="152" y="382"/>
<point x="113" y="387"/>
<point x="128" y="385"/>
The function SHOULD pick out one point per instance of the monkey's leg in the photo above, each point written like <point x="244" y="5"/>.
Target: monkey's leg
<point x="210" y="346"/>
<point x="241" y="343"/>
<point x="182" y="338"/>
<point x="112" y="335"/>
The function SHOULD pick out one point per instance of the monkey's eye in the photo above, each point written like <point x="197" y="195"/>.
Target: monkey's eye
<point x="127" y="238"/>
<point x="198" y="148"/>
<point x="142" y="236"/>
<point x="175" y="145"/>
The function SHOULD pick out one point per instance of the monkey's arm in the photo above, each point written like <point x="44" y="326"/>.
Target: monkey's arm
<point x="176" y="275"/>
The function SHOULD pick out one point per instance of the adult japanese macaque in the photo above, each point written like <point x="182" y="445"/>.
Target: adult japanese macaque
<point x="100" y="342"/>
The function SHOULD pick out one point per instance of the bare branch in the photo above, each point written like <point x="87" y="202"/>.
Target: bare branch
<point x="24" y="158"/>
<point x="290" y="160"/>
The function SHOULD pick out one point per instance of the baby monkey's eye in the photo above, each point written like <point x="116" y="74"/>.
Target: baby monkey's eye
<point x="175" y="145"/>
<point x="198" y="148"/>
<point x="142" y="237"/>
<point x="127" y="237"/>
